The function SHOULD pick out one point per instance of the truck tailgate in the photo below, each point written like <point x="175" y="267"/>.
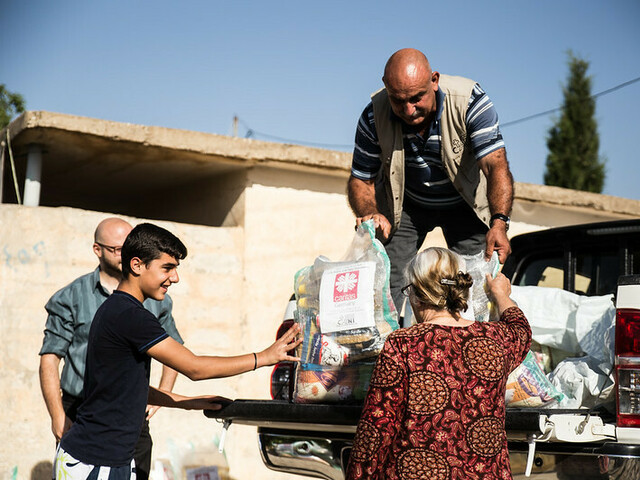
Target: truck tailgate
<point x="344" y="418"/>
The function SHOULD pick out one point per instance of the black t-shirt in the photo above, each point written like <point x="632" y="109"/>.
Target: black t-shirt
<point x="116" y="383"/>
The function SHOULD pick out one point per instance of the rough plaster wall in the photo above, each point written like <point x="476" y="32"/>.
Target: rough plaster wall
<point x="233" y="290"/>
<point x="41" y="250"/>
<point x="286" y="228"/>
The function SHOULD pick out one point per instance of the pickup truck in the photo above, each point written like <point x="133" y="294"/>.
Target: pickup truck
<point x="592" y="259"/>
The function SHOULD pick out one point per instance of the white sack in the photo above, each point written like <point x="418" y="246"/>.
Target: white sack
<point x="580" y="381"/>
<point x="580" y="325"/>
<point x="561" y="319"/>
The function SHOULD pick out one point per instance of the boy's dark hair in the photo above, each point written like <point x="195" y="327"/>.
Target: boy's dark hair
<point x="148" y="242"/>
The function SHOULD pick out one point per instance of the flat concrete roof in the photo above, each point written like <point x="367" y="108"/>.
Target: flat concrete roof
<point x="91" y="149"/>
<point x="49" y="129"/>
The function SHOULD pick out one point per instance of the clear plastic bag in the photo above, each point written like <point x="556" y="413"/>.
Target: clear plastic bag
<point x="480" y="306"/>
<point x="345" y="312"/>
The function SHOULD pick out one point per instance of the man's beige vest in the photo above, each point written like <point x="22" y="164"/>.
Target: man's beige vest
<point x="457" y="154"/>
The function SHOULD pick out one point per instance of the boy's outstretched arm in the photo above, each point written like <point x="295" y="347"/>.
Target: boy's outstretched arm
<point x="164" y="398"/>
<point x="200" y="367"/>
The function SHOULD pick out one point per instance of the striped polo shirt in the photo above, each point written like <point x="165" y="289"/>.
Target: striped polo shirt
<point x="426" y="182"/>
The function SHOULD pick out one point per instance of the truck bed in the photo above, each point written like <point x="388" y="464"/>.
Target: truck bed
<point x="344" y="418"/>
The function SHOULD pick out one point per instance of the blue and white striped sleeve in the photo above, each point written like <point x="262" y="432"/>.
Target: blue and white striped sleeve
<point x="482" y="123"/>
<point x="366" y="153"/>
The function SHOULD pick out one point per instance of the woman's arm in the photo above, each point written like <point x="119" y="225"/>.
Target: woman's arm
<point x="517" y="323"/>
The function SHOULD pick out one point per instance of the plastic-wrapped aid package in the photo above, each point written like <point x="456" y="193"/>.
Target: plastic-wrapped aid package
<point x="480" y="307"/>
<point x="345" y="312"/>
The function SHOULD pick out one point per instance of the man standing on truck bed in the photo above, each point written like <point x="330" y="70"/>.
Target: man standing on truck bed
<point x="429" y="152"/>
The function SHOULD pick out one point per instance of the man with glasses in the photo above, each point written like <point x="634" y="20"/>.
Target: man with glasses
<point x="66" y="334"/>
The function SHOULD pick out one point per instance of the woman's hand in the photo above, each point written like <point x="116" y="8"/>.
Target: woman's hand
<point x="279" y="351"/>
<point x="499" y="290"/>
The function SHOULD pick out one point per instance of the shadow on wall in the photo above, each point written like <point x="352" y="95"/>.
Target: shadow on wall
<point x="42" y="471"/>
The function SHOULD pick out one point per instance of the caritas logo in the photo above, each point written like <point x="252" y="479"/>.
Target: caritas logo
<point x="346" y="286"/>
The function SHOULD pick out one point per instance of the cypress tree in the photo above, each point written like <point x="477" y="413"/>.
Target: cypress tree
<point x="573" y="141"/>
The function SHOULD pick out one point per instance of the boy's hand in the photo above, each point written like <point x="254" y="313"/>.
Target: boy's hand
<point x="279" y="351"/>
<point x="205" y="402"/>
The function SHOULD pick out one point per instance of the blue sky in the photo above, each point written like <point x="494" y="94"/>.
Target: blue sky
<point x="303" y="71"/>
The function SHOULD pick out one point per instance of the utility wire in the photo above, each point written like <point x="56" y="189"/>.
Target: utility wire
<point x="557" y="109"/>
<point x="251" y="132"/>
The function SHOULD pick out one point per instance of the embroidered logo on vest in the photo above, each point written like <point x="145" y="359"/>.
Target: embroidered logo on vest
<point x="457" y="146"/>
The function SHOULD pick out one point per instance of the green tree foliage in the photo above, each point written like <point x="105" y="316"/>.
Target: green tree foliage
<point x="11" y="104"/>
<point x="573" y="141"/>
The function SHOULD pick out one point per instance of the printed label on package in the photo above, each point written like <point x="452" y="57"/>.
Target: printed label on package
<point x="346" y="297"/>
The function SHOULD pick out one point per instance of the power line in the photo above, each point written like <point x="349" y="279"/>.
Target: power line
<point x="557" y="109"/>
<point x="251" y="132"/>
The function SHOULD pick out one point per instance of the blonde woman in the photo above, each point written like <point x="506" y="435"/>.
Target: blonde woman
<point x="435" y="407"/>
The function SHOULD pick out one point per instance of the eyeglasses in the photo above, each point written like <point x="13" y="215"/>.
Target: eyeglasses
<point x="111" y="249"/>
<point x="406" y="290"/>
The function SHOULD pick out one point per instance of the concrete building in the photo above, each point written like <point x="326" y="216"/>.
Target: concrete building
<point x="251" y="214"/>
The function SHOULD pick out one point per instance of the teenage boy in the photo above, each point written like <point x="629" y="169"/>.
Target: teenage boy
<point x="124" y="336"/>
<point x="70" y="312"/>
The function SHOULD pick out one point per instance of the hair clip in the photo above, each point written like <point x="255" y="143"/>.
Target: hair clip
<point x="447" y="281"/>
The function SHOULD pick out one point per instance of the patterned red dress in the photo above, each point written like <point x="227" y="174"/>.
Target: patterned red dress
<point x="435" y="407"/>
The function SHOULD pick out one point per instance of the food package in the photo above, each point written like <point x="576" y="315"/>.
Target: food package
<point x="332" y="385"/>
<point x="345" y="312"/>
<point x="480" y="307"/>
<point x="528" y="386"/>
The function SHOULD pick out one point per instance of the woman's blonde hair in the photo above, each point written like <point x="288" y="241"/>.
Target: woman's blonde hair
<point x="437" y="279"/>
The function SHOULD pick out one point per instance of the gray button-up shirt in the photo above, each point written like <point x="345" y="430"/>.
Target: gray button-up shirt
<point x="71" y="311"/>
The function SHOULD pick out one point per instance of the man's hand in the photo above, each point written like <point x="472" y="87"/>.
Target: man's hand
<point x="60" y="425"/>
<point x="497" y="240"/>
<point x="362" y="198"/>
<point x="380" y="222"/>
<point x="151" y="411"/>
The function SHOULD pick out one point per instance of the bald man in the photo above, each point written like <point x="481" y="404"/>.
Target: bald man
<point x="71" y="311"/>
<point x="428" y="153"/>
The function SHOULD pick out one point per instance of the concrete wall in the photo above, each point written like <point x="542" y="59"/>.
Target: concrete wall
<point x="233" y="290"/>
<point x="234" y="287"/>
<point x="42" y="249"/>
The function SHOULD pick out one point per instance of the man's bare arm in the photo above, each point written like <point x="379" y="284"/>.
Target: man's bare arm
<point x="362" y="199"/>
<point x="50" y="386"/>
<point x="500" y="197"/>
<point x="167" y="381"/>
